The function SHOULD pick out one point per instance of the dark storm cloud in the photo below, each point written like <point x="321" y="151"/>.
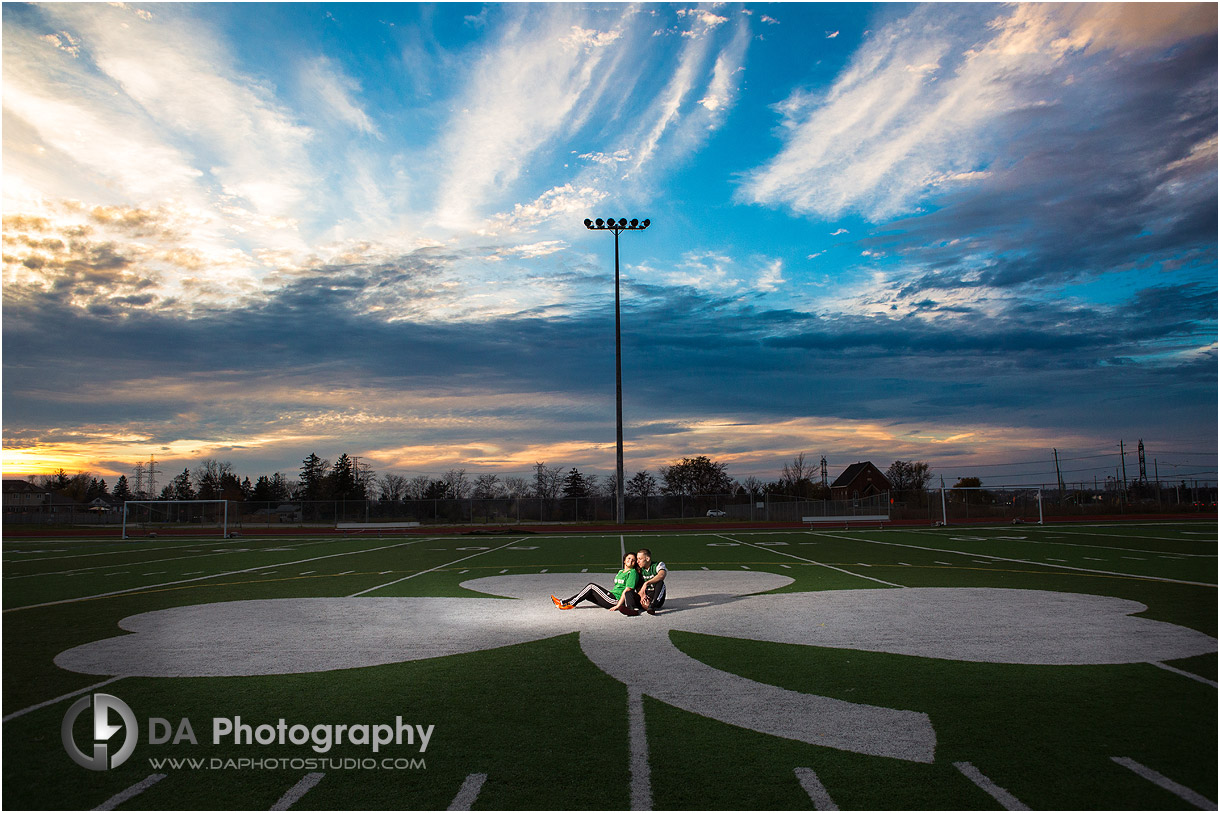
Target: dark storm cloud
<point x="1118" y="174"/>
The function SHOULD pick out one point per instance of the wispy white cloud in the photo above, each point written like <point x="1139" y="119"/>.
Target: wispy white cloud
<point x="924" y="99"/>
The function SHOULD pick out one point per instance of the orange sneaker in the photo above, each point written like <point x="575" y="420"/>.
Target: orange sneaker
<point x="561" y="605"/>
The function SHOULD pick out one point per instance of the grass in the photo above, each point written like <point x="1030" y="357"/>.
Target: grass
<point x="549" y="729"/>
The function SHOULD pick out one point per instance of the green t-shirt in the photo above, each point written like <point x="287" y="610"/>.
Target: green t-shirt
<point x="647" y="573"/>
<point x="625" y="580"/>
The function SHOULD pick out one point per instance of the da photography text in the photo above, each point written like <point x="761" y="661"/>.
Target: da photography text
<point x="103" y="750"/>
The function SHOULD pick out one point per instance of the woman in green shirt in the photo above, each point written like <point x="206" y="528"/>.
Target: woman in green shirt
<point x="622" y="596"/>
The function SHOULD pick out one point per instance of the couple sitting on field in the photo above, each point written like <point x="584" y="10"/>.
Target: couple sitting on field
<point x="639" y="586"/>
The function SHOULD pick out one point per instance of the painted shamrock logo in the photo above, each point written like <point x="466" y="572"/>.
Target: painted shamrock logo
<point x="281" y="636"/>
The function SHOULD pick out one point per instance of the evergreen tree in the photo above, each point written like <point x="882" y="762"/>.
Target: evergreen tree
<point x="313" y="478"/>
<point x="122" y="491"/>
<point x="575" y="486"/>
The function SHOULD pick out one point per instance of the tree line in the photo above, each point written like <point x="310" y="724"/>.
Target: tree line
<point x="347" y="478"/>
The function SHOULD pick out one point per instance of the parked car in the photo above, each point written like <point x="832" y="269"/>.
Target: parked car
<point x="715" y="512"/>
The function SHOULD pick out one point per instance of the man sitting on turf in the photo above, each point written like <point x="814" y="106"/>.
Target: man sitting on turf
<point x="652" y="576"/>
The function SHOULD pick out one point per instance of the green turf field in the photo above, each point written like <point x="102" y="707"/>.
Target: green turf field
<point x="1065" y="698"/>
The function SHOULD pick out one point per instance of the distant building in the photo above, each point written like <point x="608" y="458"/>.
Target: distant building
<point x="859" y="480"/>
<point x="21" y="496"/>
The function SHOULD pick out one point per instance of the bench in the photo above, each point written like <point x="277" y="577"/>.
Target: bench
<point x="880" y="519"/>
<point x="356" y="527"/>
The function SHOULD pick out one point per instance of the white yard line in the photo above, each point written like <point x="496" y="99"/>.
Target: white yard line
<point x="135" y="790"/>
<point x="1006" y="799"/>
<point x="1181" y="791"/>
<point x="809" y="561"/>
<point x="468" y="792"/>
<point x="213" y="576"/>
<point x="816" y="790"/>
<point x="1094" y="547"/>
<point x="1183" y="673"/>
<point x="637" y="747"/>
<point x="298" y="790"/>
<point x="55" y="700"/>
<point x="438" y="567"/>
<point x="1019" y="561"/>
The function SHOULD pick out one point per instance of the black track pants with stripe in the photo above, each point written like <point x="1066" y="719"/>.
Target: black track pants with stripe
<point x="603" y="597"/>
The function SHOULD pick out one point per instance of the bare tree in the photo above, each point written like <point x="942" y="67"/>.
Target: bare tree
<point x="752" y="485"/>
<point x="417" y="486"/>
<point x="487" y="487"/>
<point x="517" y="486"/>
<point x="393" y="487"/>
<point x="457" y="486"/>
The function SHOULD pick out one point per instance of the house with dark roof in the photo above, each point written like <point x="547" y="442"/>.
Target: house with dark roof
<point x="859" y="480"/>
<point x="21" y="496"/>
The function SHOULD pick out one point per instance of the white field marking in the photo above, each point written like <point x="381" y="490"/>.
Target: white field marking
<point x="135" y="790"/>
<point x="347" y="572"/>
<point x="121" y="550"/>
<point x="468" y="792"/>
<point x="1083" y="545"/>
<point x="155" y="573"/>
<point x="706" y="568"/>
<point x="789" y="567"/>
<point x="307" y="572"/>
<point x="586" y="570"/>
<point x="982" y="562"/>
<point x="213" y="576"/>
<point x="55" y="700"/>
<point x="1006" y="799"/>
<point x="1135" y="558"/>
<point x="943" y="563"/>
<point x="1053" y="559"/>
<point x="1184" y="673"/>
<point x="816" y="790"/>
<point x="745" y="567"/>
<point x="505" y="570"/>
<point x="861" y="564"/>
<point x="298" y="790"/>
<point x="431" y="569"/>
<point x="812" y="562"/>
<point x="540" y="571"/>
<point x="637" y="745"/>
<point x="1094" y="559"/>
<point x="1181" y="791"/>
<point x="1024" y="561"/>
<point x="122" y="564"/>
<point x="460" y="572"/>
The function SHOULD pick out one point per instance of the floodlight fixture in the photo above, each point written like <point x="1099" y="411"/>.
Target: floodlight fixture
<point x="616" y="226"/>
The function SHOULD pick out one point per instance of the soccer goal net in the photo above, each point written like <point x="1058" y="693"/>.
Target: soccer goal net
<point x="150" y="516"/>
<point x="1014" y="505"/>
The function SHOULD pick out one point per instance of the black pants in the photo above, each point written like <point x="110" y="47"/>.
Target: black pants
<point x="604" y="598"/>
<point x="656" y="595"/>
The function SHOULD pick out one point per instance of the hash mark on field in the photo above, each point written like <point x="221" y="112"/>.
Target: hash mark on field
<point x="586" y="570"/>
<point x="543" y="570"/>
<point x="1006" y="799"/>
<point x="1136" y="558"/>
<point x="745" y="567"/>
<point x="1181" y="791"/>
<point x="298" y="790"/>
<point x="787" y="566"/>
<point x="816" y="790"/>
<point x="944" y="563"/>
<point x="469" y="792"/>
<point x="1053" y="559"/>
<point x="460" y="572"/>
<point x="505" y="570"/>
<point x="307" y="572"/>
<point x="1092" y="559"/>
<point x="705" y="568"/>
<point x="346" y="572"/>
<point x="154" y="573"/>
<point x="861" y="564"/>
<point x="135" y="790"/>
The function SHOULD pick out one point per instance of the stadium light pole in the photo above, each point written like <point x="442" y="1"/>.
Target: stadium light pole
<point x="620" y="225"/>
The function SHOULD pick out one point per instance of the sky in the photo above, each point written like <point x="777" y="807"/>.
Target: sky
<point x="958" y="233"/>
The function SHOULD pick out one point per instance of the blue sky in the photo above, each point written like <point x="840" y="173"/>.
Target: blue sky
<point x="966" y="234"/>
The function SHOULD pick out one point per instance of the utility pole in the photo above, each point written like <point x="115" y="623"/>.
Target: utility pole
<point x="1143" y="470"/>
<point x="616" y="226"/>
<point x="1123" y="454"/>
<point x="1058" y="475"/>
